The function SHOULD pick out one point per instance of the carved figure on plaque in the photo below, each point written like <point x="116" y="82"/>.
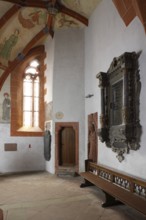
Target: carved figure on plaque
<point x="92" y="137"/>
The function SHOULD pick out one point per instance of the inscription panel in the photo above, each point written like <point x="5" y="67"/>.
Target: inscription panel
<point x="117" y="103"/>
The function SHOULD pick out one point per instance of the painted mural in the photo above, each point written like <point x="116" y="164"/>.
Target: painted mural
<point x="65" y="21"/>
<point x="32" y="18"/>
<point x="30" y="26"/>
<point x="7" y="45"/>
<point x="5" y="108"/>
<point x="81" y="7"/>
<point x="26" y="24"/>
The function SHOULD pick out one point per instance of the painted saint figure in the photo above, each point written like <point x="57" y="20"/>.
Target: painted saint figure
<point x="6" y="107"/>
<point x="7" y="46"/>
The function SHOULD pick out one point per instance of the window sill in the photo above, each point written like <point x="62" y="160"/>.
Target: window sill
<point x="29" y="129"/>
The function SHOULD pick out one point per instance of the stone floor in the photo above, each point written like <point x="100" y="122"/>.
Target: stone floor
<point x="42" y="196"/>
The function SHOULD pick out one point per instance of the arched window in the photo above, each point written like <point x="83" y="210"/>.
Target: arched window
<point x="31" y="95"/>
<point x="27" y="92"/>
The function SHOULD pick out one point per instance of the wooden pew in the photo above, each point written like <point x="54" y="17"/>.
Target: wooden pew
<point x="118" y="188"/>
<point x="1" y="214"/>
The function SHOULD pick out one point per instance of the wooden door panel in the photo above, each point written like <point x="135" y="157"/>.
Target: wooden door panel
<point x="68" y="146"/>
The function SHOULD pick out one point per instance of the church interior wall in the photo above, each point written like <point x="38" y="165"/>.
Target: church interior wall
<point x="74" y="58"/>
<point x="105" y="38"/>
<point x="28" y="155"/>
<point x="68" y="82"/>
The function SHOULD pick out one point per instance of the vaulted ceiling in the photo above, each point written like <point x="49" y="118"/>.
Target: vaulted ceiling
<point x="28" y="23"/>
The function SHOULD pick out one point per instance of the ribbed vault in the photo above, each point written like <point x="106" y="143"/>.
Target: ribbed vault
<point x="25" y="24"/>
<point x="129" y="9"/>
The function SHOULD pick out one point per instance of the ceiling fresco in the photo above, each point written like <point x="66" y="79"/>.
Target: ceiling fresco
<point x="25" y="24"/>
<point x="81" y="7"/>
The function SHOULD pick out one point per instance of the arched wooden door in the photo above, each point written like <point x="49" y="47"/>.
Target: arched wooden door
<point x="67" y="147"/>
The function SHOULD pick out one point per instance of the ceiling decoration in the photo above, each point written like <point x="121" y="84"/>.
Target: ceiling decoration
<point x="25" y="24"/>
<point x="129" y="9"/>
<point x="28" y="23"/>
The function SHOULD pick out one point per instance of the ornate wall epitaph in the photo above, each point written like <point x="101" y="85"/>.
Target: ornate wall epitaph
<point x="120" y="91"/>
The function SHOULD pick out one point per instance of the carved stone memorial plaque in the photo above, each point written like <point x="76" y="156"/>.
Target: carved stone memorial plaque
<point x="120" y="91"/>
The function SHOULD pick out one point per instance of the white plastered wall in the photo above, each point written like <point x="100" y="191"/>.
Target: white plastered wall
<point x="65" y="84"/>
<point x="29" y="154"/>
<point x="105" y="38"/>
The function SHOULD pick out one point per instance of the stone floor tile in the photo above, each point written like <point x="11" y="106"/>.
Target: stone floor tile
<point x="41" y="196"/>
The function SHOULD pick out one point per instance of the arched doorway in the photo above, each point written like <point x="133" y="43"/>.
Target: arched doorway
<point x="66" y="146"/>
